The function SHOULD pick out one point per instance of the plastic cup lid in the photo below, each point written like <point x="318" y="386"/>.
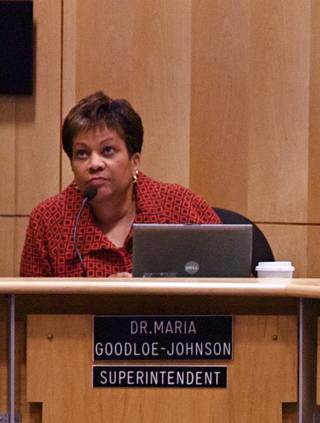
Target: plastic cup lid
<point x="275" y="265"/>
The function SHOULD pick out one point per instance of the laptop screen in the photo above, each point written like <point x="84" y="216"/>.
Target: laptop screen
<point x="192" y="250"/>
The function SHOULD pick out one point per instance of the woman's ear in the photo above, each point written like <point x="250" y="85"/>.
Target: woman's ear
<point x="136" y="158"/>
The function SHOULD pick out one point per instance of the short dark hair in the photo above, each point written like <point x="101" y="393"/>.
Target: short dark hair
<point x="99" y="110"/>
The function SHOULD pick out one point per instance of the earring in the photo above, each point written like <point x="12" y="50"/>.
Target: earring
<point x="135" y="177"/>
<point x="76" y="186"/>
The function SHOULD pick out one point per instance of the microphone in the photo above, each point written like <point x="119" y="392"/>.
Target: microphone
<point x="88" y="195"/>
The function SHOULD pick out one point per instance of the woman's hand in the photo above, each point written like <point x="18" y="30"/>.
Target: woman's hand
<point x="121" y="275"/>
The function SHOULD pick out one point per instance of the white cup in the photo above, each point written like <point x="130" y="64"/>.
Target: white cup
<point x="275" y="269"/>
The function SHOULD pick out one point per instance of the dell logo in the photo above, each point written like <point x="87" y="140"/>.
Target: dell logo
<point x="191" y="267"/>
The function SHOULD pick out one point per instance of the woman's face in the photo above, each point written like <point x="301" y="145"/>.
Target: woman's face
<point x="100" y="158"/>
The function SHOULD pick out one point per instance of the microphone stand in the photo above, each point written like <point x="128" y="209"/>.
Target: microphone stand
<point x="89" y="194"/>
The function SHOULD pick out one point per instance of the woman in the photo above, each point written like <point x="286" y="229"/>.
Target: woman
<point x="103" y="139"/>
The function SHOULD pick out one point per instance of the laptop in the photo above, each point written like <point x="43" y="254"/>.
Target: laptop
<point x="192" y="250"/>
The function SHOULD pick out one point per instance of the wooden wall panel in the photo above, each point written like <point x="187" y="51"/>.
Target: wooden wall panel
<point x="7" y="246"/>
<point x="257" y="386"/>
<point x="21" y="227"/>
<point x="161" y="89"/>
<point x="12" y="234"/>
<point x="250" y="87"/>
<point x="314" y="110"/>
<point x="297" y="243"/>
<point x="69" y="73"/>
<point x="278" y="111"/>
<point x="38" y="117"/>
<point x="8" y="155"/>
<point x="104" y="47"/>
<point x="313" y="252"/>
<point x="219" y="102"/>
<point x="31" y="413"/>
<point x="30" y="141"/>
<point x="142" y="55"/>
<point x="291" y="243"/>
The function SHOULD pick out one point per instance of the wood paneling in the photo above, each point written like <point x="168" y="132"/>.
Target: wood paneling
<point x="30" y="125"/>
<point x="69" y="73"/>
<point x="161" y="89"/>
<point x="278" y="111"/>
<point x="21" y="224"/>
<point x="219" y="102"/>
<point x="250" y="90"/>
<point x="257" y="386"/>
<point x="38" y="117"/>
<point x="314" y="108"/>
<point x="29" y="132"/>
<point x="299" y="244"/>
<point x="31" y="413"/>
<point x="12" y="234"/>
<point x="142" y="55"/>
<point x="313" y="252"/>
<point x="7" y="246"/>
<point x="8" y="155"/>
<point x="289" y="243"/>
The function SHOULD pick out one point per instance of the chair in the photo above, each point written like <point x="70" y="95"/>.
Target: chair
<point x="261" y="250"/>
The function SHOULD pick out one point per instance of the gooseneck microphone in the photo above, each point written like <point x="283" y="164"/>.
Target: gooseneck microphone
<point x="88" y="195"/>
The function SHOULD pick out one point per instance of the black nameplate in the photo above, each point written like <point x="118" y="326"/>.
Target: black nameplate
<point x="159" y="376"/>
<point x="162" y="338"/>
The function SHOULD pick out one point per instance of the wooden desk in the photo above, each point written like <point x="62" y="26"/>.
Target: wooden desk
<point x="54" y="370"/>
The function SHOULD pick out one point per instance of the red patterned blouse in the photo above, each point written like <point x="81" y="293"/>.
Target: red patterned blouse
<point x="49" y="248"/>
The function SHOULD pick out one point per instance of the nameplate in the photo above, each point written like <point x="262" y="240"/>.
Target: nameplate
<point x="162" y="338"/>
<point x="159" y="376"/>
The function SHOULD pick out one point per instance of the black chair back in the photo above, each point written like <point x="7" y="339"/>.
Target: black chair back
<point x="261" y="250"/>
